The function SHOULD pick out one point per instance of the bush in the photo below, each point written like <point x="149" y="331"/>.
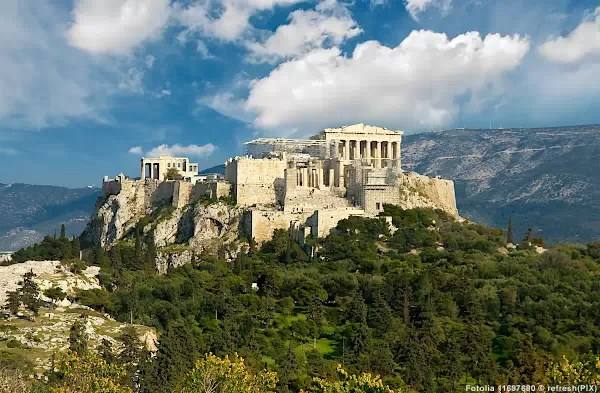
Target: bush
<point x="13" y="344"/>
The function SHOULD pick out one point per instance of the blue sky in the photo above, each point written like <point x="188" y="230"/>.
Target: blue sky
<point x="89" y="86"/>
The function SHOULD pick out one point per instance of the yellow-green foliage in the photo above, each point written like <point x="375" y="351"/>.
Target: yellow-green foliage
<point x="581" y="371"/>
<point x="228" y="375"/>
<point x="88" y="374"/>
<point x="349" y="383"/>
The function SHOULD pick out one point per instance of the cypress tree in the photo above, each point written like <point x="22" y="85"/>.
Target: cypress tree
<point x="78" y="339"/>
<point x="509" y="231"/>
<point x="63" y="231"/>
<point x="138" y="247"/>
<point x="75" y="247"/>
<point x="150" y="257"/>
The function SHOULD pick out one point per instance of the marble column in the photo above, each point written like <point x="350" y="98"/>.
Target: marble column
<point x="346" y="150"/>
<point x="331" y="177"/>
<point x="377" y="154"/>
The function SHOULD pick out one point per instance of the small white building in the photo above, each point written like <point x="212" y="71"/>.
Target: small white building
<point x="156" y="168"/>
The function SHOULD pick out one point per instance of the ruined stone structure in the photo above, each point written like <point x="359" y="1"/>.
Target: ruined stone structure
<point x="303" y="185"/>
<point x="311" y="184"/>
<point x="156" y="168"/>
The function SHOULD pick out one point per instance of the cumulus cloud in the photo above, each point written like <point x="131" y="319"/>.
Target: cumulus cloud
<point x="181" y="150"/>
<point x="226" y="20"/>
<point x="136" y="150"/>
<point x="581" y="43"/>
<point x="415" y="7"/>
<point x="414" y="85"/>
<point x="308" y="29"/>
<point x="44" y="81"/>
<point x="117" y="26"/>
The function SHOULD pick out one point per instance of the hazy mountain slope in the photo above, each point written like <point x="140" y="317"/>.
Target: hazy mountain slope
<point x="545" y="178"/>
<point x="29" y="212"/>
<point x="215" y="169"/>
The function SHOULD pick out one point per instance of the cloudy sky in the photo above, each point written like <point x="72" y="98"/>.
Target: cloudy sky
<point x="89" y="86"/>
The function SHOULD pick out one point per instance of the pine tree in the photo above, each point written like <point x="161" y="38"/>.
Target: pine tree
<point x="177" y="352"/>
<point x="30" y="291"/>
<point x="78" y="338"/>
<point x="509" y="231"/>
<point x="105" y="349"/>
<point x="13" y="301"/>
<point x="288" y="371"/>
<point x="63" y="231"/>
<point x="356" y="311"/>
<point x="380" y="315"/>
<point x="100" y="257"/>
<point x="75" y="247"/>
<point x="131" y="354"/>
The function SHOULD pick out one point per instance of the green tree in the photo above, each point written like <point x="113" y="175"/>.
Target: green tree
<point x="63" y="232"/>
<point x="509" y="231"/>
<point x="150" y="254"/>
<point x="177" y="353"/>
<point x="13" y="301"/>
<point x="105" y="349"/>
<point x="30" y="292"/>
<point x="78" y="338"/>
<point x="55" y="293"/>
<point x="75" y="247"/>
<point x="172" y="173"/>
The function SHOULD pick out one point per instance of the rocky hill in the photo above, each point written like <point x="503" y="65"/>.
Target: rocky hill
<point x="29" y="212"/>
<point x="37" y="340"/>
<point x="545" y="178"/>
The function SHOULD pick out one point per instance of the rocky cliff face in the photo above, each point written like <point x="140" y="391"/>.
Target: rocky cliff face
<point x="544" y="178"/>
<point x="180" y="230"/>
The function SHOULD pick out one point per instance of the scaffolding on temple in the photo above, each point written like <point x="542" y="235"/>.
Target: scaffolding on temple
<point x="262" y="147"/>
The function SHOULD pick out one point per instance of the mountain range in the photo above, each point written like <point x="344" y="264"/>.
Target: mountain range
<point x="544" y="178"/>
<point x="29" y="212"/>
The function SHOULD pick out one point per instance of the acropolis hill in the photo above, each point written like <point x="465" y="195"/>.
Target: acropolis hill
<point x="302" y="185"/>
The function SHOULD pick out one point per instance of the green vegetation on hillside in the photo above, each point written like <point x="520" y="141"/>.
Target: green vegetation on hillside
<point x="430" y="307"/>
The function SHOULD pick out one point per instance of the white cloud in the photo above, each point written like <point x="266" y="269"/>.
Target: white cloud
<point x="133" y="81"/>
<point x="414" y="85"/>
<point x="117" y="26"/>
<point x="180" y="150"/>
<point x="581" y="43"/>
<point x="307" y="30"/>
<point x="415" y="7"/>
<point x="226" y="20"/>
<point x="228" y="105"/>
<point x="203" y="51"/>
<point x="149" y="60"/>
<point x="137" y="150"/>
<point x="43" y="81"/>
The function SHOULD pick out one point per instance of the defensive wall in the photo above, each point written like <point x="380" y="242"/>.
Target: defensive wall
<point x="257" y="181"/>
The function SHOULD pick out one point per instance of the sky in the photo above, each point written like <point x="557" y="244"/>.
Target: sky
<point x="88" y="87"/>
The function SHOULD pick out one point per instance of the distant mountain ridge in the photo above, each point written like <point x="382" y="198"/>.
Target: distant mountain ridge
<point x="545" y="178"/>
<point x="29" y="212"/>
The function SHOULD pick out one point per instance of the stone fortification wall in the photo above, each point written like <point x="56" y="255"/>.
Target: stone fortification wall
<point x="324" y="220"/>
<point x="303" y="199"/>
<point x="215" y="189"/>
<point x="260" y="224"/>
<point x="257" y="181"/>
<point x="424" y="191"/>
<point x="374" y="197"/>
<point x="181" y="193"/>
